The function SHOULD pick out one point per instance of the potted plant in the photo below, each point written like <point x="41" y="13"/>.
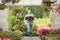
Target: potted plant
<point x="47" y="2"/>
<point x="5" y="35"/>
<point x="2" y="6"/>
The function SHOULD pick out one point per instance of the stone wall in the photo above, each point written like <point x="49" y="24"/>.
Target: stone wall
<point x="55" y="20"/>
<point x="4" y="19"/>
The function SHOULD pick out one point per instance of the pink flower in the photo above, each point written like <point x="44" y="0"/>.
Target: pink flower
<point x="43" y="32"/>
<point x="48" y="31"/>
<point x="58" y="28"/>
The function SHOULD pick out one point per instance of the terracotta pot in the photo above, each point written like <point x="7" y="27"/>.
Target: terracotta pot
<point x="5" y="38"/>
<point x="0" y="38"/>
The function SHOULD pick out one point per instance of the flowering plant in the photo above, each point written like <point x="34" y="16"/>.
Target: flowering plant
<point x="43" y="32"/>
<point x="53" y="32"/>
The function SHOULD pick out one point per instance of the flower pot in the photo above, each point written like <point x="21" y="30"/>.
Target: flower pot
<point x="5" y="38"/>
<point x="0" y="38"/>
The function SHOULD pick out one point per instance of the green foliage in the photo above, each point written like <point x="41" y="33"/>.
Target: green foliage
<point x="13" y="35"/>
<point x="34" y="33"/>
<point x="36" y="10"/>
<point x="43" y="37"/>
<point x="17" y="14"/>
<point x="17" y="35"/>
<point x="13" y="20"/>
<point x="55" y="31"/>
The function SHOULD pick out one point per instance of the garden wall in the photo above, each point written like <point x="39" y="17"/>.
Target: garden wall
<point x="4" y="19"/>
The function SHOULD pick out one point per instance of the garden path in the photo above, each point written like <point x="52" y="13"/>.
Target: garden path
<point x="30" y="38"/>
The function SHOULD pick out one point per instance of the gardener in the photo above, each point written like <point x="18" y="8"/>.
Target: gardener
<point x="29" y="17"/>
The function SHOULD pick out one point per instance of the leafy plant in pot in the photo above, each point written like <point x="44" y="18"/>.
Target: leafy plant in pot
<point x="4" y="35"/>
